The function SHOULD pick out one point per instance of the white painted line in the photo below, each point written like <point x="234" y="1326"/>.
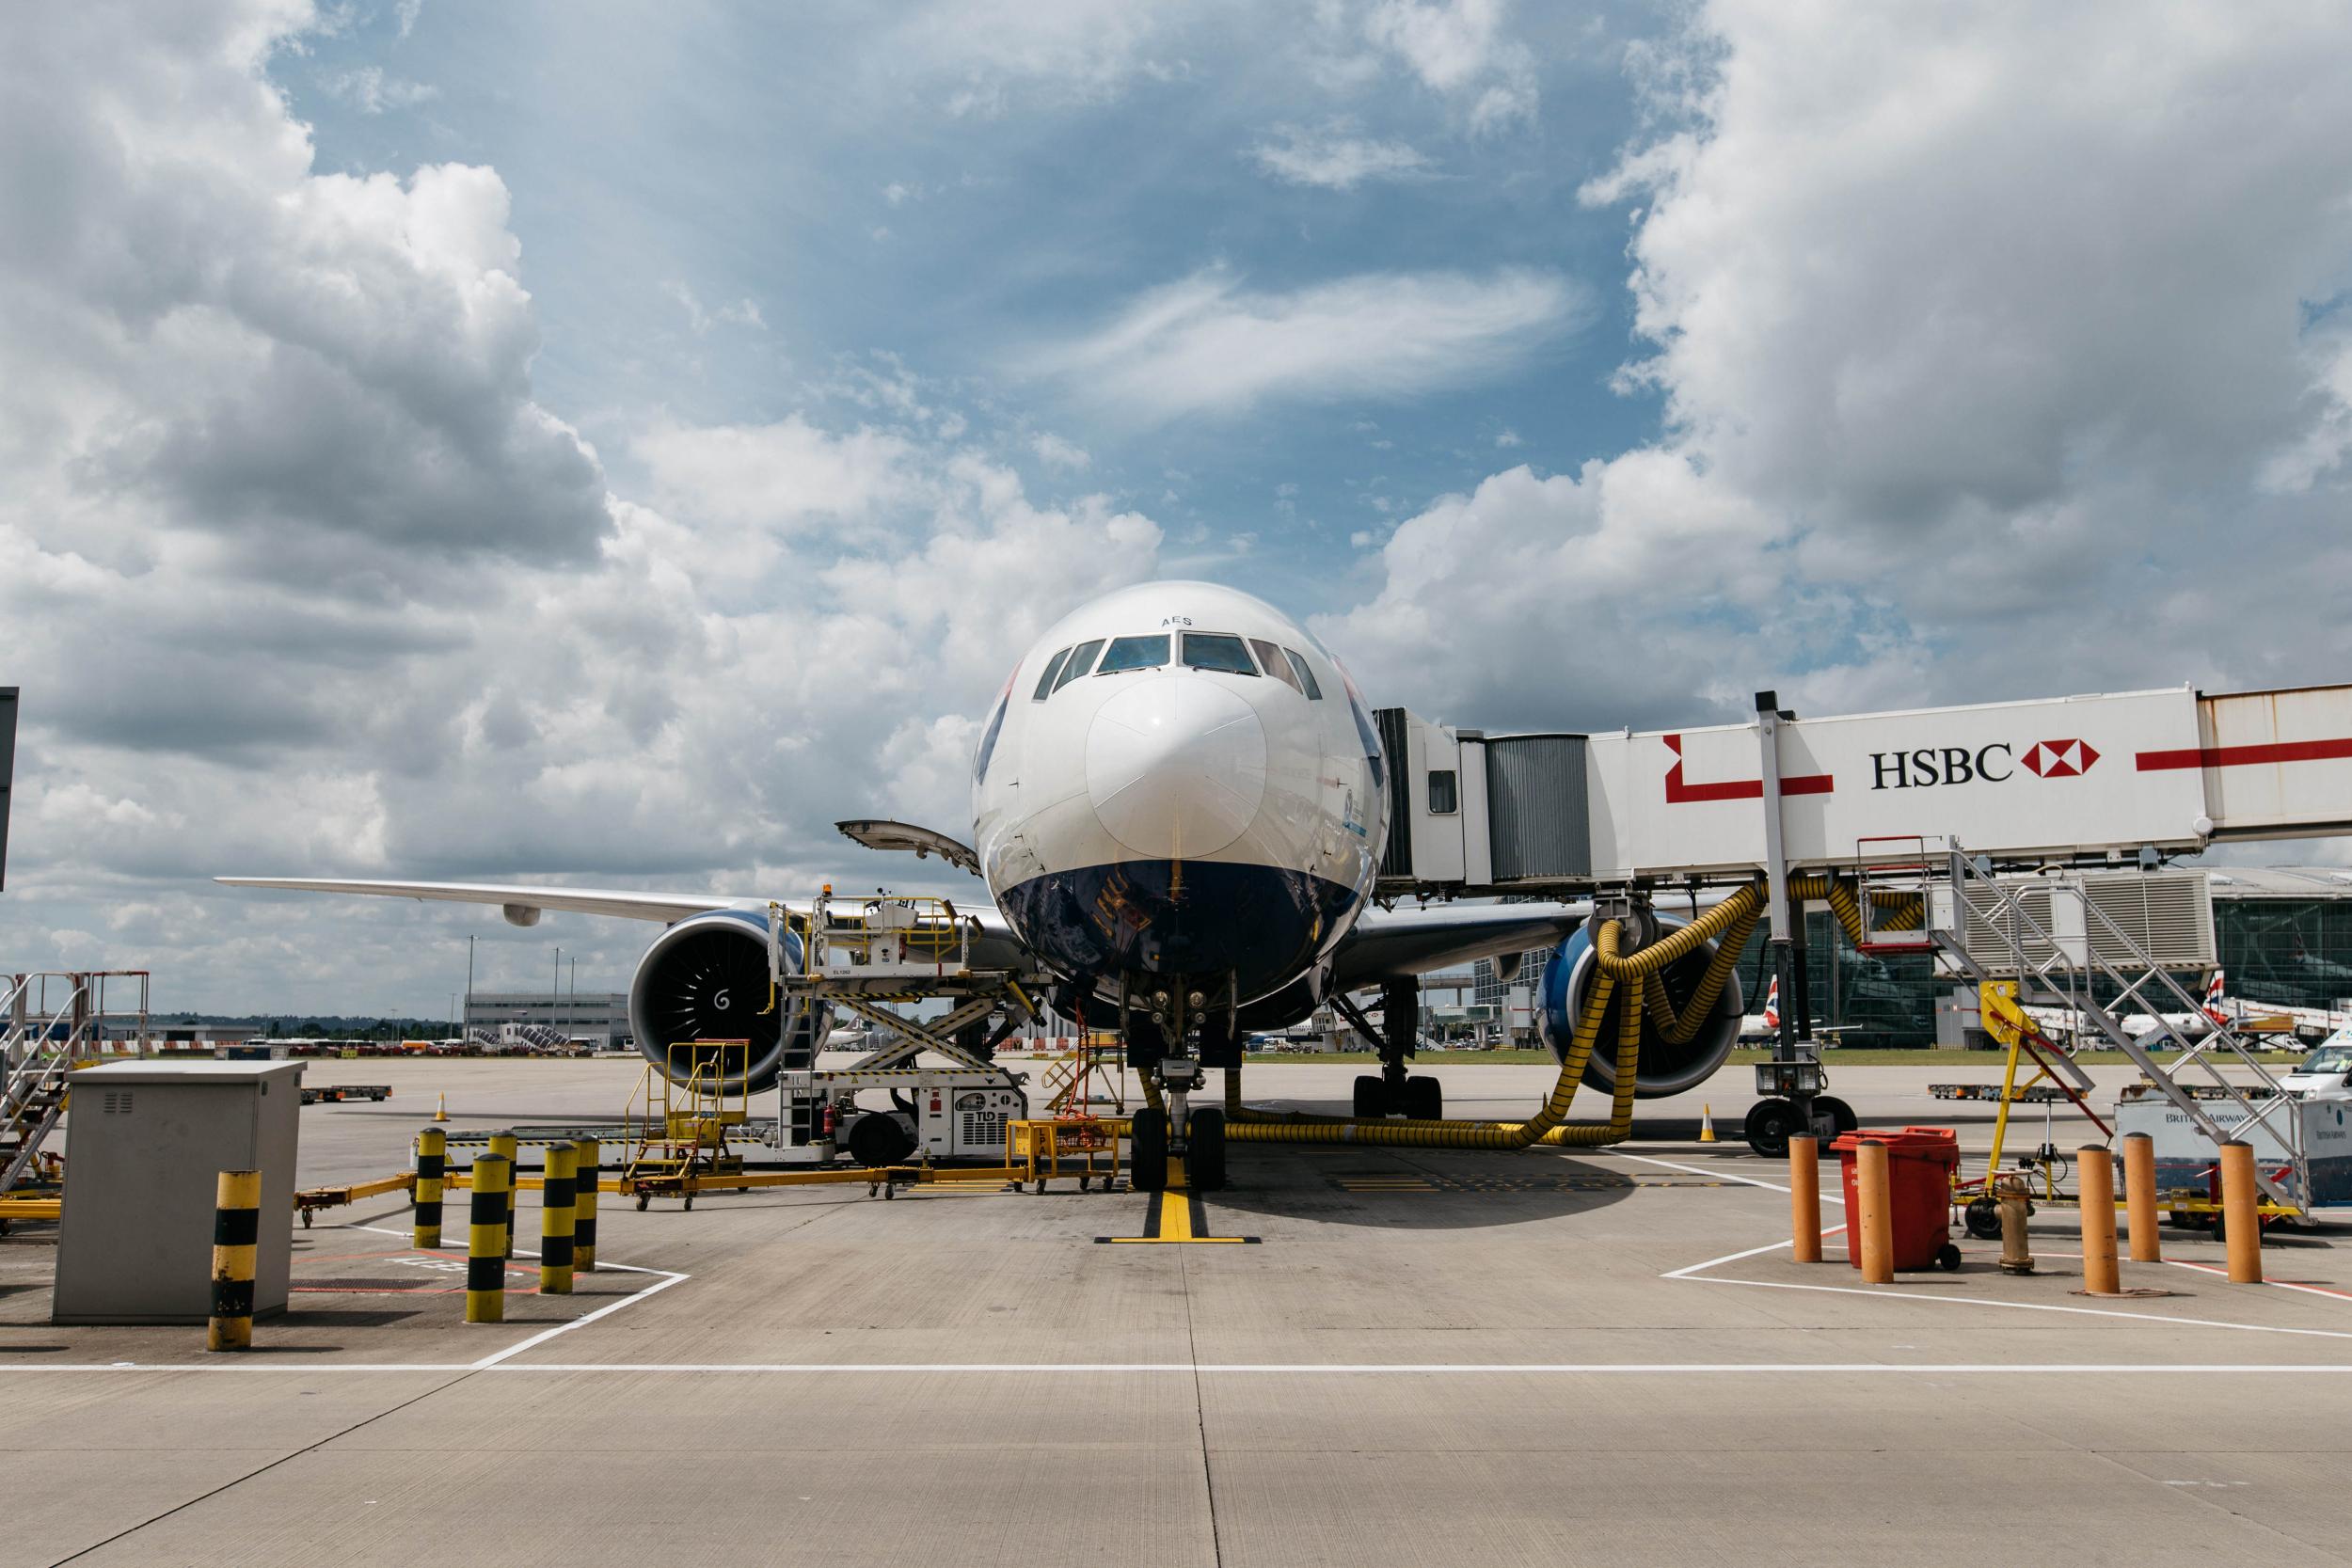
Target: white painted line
<point x="1897" y="1294"/>
<point x="1735" y="1257"/>
<point x="1238" y="1369"/>
<point x="543" y="1337"/>
<point x="1836" y="1196"/>
<point x="1697" y="1272"/>
<point x="668" y="1279"/>
<point x="2277" y="1284"/>
<point x="1429" y="1368"/>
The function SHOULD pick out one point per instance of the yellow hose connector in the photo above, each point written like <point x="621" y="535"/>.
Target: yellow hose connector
<point x="1727" y="924"/>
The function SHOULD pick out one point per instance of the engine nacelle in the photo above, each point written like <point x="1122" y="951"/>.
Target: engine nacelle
<point x="706" y="978"/>
<point x="1665" y="1069"/>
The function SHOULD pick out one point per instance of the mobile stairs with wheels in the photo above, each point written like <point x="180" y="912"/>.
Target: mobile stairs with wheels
<point x="2045" y="942"/>
<point x="54" y="1022"/>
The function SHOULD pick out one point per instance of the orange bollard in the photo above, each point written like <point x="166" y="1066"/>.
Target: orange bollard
<point x="2095" y="1170"/>
<point x="1805" y="1197"/>
<point x="2139" y="1196"/>
<point x="2241" y="1222"/>
<point x="1873" y="1230"/>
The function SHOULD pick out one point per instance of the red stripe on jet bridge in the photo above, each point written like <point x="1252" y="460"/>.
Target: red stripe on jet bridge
<point x="2246" y="756"/>
<point x="1679" y="793"/>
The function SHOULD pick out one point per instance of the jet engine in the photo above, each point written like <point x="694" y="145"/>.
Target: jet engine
<point x="705" y="979"/>
<point x="1666" y="1068"/>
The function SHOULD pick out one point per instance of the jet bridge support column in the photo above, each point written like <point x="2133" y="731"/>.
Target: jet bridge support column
<point x="1793" y="1077"/>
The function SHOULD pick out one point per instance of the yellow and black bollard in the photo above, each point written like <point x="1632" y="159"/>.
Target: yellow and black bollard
<point x="586" y="1173"/>
<point x="505" y="1145"/>
<point x="432" y="1170"/>
<point x="485" y="1240"/>
<point x="555" y="1221"/>
<point x="236" y="1234"/>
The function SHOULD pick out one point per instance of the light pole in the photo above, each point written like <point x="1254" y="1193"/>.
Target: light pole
<point x="555" y="994"/>
<point x="468" y="987"/>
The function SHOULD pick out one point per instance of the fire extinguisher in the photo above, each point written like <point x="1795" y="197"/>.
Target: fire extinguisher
<point x="825" y="1121"/>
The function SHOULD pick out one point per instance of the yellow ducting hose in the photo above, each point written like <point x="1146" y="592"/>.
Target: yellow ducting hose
<point x="1728" y="925"/>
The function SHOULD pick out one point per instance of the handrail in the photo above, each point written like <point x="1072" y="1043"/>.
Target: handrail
<point x="2059" y="974"/>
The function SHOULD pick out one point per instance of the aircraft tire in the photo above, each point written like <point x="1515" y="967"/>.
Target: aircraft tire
<point x="1205" y="1151"/>
<point x="1770" y="1123"/>
<point x="1147" y="1142"/>
<point x="1371" y="1097"/>
<point x="1425" y="1098"/>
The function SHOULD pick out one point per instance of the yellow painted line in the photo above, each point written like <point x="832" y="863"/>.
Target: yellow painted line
<point x="1168" y="1222"/>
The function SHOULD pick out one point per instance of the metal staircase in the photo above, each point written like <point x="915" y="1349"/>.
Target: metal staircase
<point x="1091" y="1078"/>
<point x="54" y="1024"/>
<point x="2077" y="958"/>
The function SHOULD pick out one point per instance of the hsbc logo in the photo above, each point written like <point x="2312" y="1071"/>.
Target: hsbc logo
<point x="2058" y="759"/>
<point x="1998" y="763"/>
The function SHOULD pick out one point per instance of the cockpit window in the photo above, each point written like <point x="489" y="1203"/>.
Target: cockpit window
<point x="1271" y="659"/>
<point x="1045" y="681"/>
<point x="1134" y="652"/>
<point x="1215" y="649"/>
<point x="1306" y="677"/>
<point x="1081" y="660"/>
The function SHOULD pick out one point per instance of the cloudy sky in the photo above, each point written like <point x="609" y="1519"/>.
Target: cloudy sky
<point x="609" y="442"/>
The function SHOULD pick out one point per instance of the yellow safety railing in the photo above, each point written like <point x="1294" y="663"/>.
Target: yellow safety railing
<point x="677" y="1119"/>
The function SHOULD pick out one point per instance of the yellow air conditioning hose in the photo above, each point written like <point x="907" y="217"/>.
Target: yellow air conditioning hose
<point x="1728" y="925"/>
<point x="1550" y="1125"/>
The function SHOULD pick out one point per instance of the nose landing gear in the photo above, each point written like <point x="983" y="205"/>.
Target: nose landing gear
<point x="1168" y="1139"/>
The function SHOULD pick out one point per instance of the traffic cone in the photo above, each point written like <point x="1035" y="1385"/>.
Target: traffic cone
<point x="1706" y="1124"/>
<point x="440" y="1107"/>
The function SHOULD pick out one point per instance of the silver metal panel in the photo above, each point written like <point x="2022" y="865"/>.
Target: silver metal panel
<point x="1539" y="812"/>
<point x="145" y="1143"/>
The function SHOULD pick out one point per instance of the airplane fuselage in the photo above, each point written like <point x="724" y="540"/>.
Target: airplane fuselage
<point x="1178" y="783"/>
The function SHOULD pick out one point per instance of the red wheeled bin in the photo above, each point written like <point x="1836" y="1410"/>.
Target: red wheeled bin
<point x="1920" y="1162"/>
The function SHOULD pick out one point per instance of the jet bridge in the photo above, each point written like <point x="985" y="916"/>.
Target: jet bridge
<point x="1910" y="814"/>
<point x="2121" y="778"/>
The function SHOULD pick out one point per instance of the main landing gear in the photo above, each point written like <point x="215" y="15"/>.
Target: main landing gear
<point x="1391" y="1092"/>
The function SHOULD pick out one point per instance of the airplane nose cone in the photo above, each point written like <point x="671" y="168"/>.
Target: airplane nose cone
<point x="1176" y="767"/>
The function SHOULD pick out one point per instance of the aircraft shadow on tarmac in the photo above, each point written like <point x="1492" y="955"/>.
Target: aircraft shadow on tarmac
<point x="1415" y="1189"/>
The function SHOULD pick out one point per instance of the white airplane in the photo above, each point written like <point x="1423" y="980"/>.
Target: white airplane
<point x="1180" y="802"/>
<point x="2061" y="1025"/>
<point x="1766" y="1025"/>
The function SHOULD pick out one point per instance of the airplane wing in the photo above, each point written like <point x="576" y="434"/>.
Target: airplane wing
<point x="521" y="902"/>
<point x="1394" y="943"/>
<point x="1384" y="944"/>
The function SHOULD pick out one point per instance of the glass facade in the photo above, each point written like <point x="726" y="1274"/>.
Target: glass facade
<point x="2284" y="938"/>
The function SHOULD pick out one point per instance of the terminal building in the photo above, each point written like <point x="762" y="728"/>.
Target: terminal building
<point x="598" y="1018"/>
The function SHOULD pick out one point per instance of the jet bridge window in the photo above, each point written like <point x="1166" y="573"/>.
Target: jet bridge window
<point x="1134" y="652"/>
<point x="1215" y="650"/>
<point x="1271" y="659"/>
<point x="1306" y="677"/>
<point x="1081" y="660"/>
<point x="1444" y="786"/>
<point x="1045" y="681"/>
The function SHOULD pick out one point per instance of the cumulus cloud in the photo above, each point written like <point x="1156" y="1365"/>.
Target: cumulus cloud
<point x="1459" y="48"/>
<point x="1334" y="157"/>
<point x="367" y="89"/>
<point x="299" y="576"/>
<point x="1986" y="361"/>
<point x="990" y="55"/>
<point x="1207" y="344"/>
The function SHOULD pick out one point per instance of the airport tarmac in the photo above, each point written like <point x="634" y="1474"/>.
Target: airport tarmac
<point x="1425" y="1357"/>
